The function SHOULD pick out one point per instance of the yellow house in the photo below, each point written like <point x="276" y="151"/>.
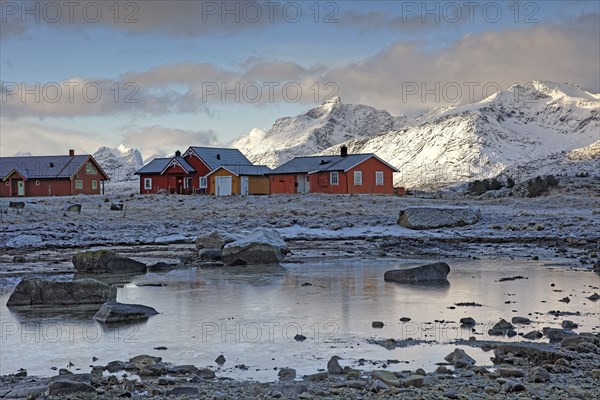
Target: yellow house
<point x="241" y="180"/>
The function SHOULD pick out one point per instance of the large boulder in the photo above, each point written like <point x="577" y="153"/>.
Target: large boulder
<point x="214" y="240"/>
<point x="106" y="261"/>
<point x="433" y="273"/>
<point x="460" y="359"/>
<point x="114" y="313"/>
<point x="34" y="291"/>
<point x="262" y="246"/>
<point x="438" y="217"/>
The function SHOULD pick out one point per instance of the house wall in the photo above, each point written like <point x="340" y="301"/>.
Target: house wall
<point x="368" y="168"/>
<point x="201" y="170"/>
<point x="258" y="185"/>
<point x="282" y="184"/>
<point x="235" y="181"/>
<point x="167" y="181"/>
<point x="86" y="179"/>
<point x="319" y="183"/>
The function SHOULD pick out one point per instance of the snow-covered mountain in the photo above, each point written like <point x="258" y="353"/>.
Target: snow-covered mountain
<point x="119" y="163"/>
<point x="320" y="128"/>
<point x="525" y="126"/>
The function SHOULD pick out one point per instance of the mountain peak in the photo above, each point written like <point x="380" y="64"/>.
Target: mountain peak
<point x="333" y="100"/>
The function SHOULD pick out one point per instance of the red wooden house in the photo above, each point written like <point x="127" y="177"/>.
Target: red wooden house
<point x="51" y="175"/>
<point x="341" y="174"/>
<point x="187" y="173"/>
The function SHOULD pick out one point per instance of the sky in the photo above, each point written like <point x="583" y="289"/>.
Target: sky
<point x="163" y="75"/>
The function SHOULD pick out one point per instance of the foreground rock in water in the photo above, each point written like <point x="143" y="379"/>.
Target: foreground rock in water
<point x="214" y="240"/>
<point x="459" y="359"/>
<point x="34" y="291"/>
<point x="263" y="246"/>
<point x="438" y="217"/>
<point x="106" y="261"/>
<point x="114" y="312"/>
<point x="436" y="272"/>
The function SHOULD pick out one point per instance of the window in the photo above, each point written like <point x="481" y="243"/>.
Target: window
<point x="37" y="183"/>
<point x="89" y="169"/>
<point x="334" y="178"/>
<point x="358" y="178"/>
<point x="94" y="185"/>
<point x="379" y="178"/>
<point x="78" y="184"/>
<point x="148" y="183"/>
<point x="203" y="182"/>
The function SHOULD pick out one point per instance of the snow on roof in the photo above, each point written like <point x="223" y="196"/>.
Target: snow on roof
<point x="36" y="167"/>
<point x="214" y="157"/>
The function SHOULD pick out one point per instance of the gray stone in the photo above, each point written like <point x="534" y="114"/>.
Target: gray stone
<point x="209" y="255"/>
<point x="214" y="240"/>
<point x="520" y="320"/>
<point x="511" y="372"/>
<point x="436" y="272"/>
<point x="113" y="312"/>
<point x="66" y="387"/>
<point x="17" y="205"/>
<point x="378" y="386"/>
<point x="287" y="374"/>
<point x="34" y="291"/>
<point x="594" y="297"/>
<point x="597" y="266"/>
<point x="356" y="384"/>
<point x="556" y="334"/>
<point x="26" y="390"/>
<point x="459" y="359"/>
<point x="116" y="207"/>
<point x="501" y="328"/>
<point x="414" y="380"/>
<point x="115" y="366"/>
<point x="319" y="376"/>
<point x="183" y="370"/>
<point x="377" y="324"/>
<point x="263" y="246"/>
<point x="467" y="322"/>
<point x="386" y="377"/>
<point x="206" y="373"/>
<point x="333" y="366"/>
<point x="538" y="374"/>
<point x="106" y="261"/>
<point x="220" y="360"/>
<point x="438" y="217"/>
<point x="70" y="207"/>
<point x="183" y="391"/>
<point x="533" y="335"/>
<point x="566" y="324"/>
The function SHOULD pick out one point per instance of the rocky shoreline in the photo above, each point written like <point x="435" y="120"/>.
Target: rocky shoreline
<point x="569" y="370"/>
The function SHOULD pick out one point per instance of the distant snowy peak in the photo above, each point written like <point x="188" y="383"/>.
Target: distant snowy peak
<point x="331" y="123"/>
<point x="119" y="163"/>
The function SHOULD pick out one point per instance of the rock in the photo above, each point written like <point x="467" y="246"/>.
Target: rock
<point x="214" y="240"/>
<point x="27" y="390"/>
<point x="183" y="391"/>
<point x="377" y="324"/>
<point x="263" y="246"/>
<point x="459" y="359"/>
<point x="67" y="387"/>
<point x="158" y="369"/>
<point x="565" y="299"/>
<point x="113" y="312"/>
<point x="414" y="380"/>
<point x="356" y="384"/>
<point x="206" y="373"/>
<point x="594" y="297"/>
<point x="500" y="328"/>
<point x="167" y="380"/>
<point x="333" y="366"/>
<point x="142" y="361"/>
<point x="450" y="394"/>
<point x="538" y="374"/>
<point x="70" y="207"/>
<point x="533" y="335"/>
<point x="19" y="259"/>
<point x="520" y="320"/>
<point x="64" y="371"/>
<point x="516" y="387"/>
<point x="404" y="319"/>
<point x="378" y="386"/>
<point x="420" y="371"/>
<point x="596" y="374"/>
<point x="115" y="366"/>
<point x="437" y="217"/>
<point x="34" y="291"/>
<point x="299" y="338"/>
<point x="183" y="370"/>
<point x="176" y="238"/>
<point x="436" y="272"/>
<point x="116" y="207"/>
<point x="510" y="372"/>
<point x="556" y="334"/>
<point x="209" y="255"/>
<point x="287" y="374"/>
<point x="220" y="360"/>
<point x="17" y="205"/>
<point x="386" y="377"/>
<point x="566" y="324"/>
<point x="467" y="322"/>
<point x="106" y="261"/>
<point x="597" y="266"/>
<point x="319" y="376"/>
<point x="25" y="241"/>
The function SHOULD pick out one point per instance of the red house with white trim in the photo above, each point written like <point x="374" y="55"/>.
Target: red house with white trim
<point x="51" y="175"/>
<point x="187" y="173"/>
<point x="341" y="174"/>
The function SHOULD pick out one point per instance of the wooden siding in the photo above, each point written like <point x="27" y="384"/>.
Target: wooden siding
<point x="235" y="181"/>
<point x="258" y="185"/>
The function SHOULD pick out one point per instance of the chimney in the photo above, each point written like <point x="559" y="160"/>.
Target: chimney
<point x="344" y="151"/>
<point x="218" y="156"/>
<point x="71" y="153"/>
<point x="177" y="153"/>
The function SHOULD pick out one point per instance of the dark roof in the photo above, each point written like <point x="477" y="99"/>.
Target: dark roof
<point x="40" y="167"/>
<point x="226" y="156"/>
<point x="158" y="165"/>
<point x="252" y="170"/>
<point x="311" y="164"/>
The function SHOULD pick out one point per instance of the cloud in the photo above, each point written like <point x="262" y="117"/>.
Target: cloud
<point x="161" y="140"/>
